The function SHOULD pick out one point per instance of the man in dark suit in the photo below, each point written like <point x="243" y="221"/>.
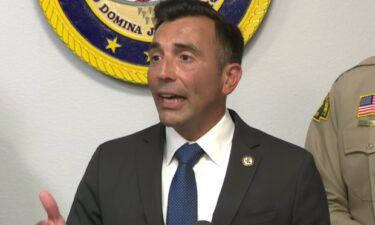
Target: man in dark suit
<point x="244" y="176"/>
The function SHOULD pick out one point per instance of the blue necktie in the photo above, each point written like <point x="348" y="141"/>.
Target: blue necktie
<point x="182" y="199"/>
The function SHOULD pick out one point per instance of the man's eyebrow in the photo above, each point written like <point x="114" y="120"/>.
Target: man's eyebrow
<point x="177" y="46"/>
<point x="189" y="47"/>
<point x="153" y="45"/>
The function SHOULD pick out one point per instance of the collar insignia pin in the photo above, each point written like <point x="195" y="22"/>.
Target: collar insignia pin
<point x="247" y="161"/>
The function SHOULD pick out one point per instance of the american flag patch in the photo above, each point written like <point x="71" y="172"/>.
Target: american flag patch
<point x="366" y="105"/>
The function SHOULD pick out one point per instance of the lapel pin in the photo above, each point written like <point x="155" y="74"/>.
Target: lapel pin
<point x="247" y="161"/>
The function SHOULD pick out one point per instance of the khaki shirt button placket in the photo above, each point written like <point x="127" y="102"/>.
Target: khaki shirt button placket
<point x="370" y="146"/>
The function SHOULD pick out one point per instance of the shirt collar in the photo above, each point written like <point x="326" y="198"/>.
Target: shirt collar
<point x="216" y="142"/>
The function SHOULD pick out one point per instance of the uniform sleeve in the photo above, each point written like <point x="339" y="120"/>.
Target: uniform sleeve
<point x="322" y="142"/>
<point x="85" y="209"/>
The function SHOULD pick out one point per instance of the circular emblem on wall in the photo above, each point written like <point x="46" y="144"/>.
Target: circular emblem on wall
<point x="113" y="35"/>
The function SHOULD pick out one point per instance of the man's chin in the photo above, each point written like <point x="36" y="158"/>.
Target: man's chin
<point x="169" y="119"/>
<point x="168" y="122"/>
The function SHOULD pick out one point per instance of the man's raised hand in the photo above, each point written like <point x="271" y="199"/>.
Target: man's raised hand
<point x="50" y="206"/>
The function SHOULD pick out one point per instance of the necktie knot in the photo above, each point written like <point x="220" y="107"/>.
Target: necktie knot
<point x="189" y="154"/>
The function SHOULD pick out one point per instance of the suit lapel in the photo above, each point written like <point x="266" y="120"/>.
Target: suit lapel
<point x="149" y="163"/>
<point x="238" y="176"/>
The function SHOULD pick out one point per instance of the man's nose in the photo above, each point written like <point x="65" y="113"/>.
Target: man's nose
<point x="167" y="70"/>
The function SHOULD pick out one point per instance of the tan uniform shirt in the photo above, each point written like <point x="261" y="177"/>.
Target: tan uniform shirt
<point x="342" y="139"/>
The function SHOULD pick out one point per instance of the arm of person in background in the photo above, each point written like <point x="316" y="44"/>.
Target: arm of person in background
<point x="322" y="142"/>
<point x="50" y="206"/>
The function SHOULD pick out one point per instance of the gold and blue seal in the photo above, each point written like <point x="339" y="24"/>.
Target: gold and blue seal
<point x="113" y="35"/>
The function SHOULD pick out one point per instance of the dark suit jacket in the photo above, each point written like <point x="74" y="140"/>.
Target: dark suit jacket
<point x="122" y="183"/>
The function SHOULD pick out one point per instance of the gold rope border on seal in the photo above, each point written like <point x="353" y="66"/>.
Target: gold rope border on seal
<point x="83" y="49"/>
<point x="253" y="17"/>
<point x="117" y="68"/>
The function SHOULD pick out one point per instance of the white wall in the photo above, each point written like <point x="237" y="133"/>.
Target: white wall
<point x="55" y="109"/>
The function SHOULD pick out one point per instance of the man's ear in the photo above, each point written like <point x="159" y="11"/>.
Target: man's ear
<point x="231" y="76"/>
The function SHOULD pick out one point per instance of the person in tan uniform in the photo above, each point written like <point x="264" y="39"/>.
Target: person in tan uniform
<point x="341" y="137"/>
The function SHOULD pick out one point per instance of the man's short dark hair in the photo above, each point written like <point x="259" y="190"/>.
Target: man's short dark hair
<point x="230" y="40"/>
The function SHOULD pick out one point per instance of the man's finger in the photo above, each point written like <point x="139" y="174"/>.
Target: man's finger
<point x="50" y="206"/>
<point x="44" y="222"/>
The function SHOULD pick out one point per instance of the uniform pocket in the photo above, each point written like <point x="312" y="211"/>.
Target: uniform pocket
<point x="358" y="148"/>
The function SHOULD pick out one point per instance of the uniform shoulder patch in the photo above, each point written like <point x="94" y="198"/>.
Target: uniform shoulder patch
<point x="323" y="111"/>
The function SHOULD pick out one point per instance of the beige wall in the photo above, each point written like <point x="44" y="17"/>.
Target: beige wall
<point x="55" y="110"/>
